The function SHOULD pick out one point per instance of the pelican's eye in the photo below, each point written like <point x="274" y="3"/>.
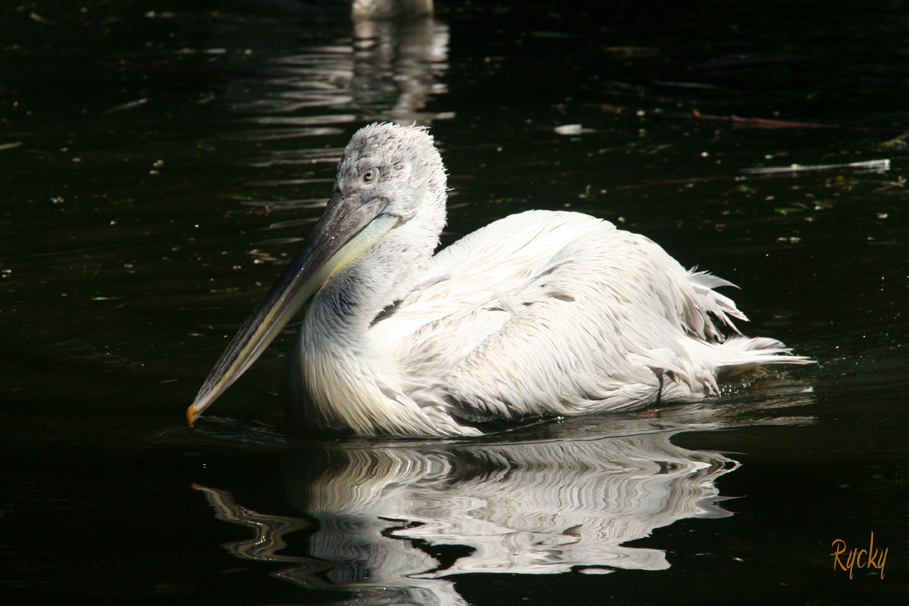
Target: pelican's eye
<point x="370" y="175"/>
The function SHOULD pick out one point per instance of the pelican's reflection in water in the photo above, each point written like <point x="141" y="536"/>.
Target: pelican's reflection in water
<point x="540" y="507"/>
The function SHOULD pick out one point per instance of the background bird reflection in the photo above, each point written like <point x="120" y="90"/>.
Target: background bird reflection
<point x="386" y="70"/>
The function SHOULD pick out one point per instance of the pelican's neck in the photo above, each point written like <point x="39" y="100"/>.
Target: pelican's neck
<point x="347" y="304"/>
<point x="336" y="377"/>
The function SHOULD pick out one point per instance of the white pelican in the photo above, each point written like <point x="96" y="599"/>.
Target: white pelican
<point x="540" y="314"/>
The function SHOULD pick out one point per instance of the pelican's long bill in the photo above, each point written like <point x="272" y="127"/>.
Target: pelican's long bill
<point x="350" y="226"/>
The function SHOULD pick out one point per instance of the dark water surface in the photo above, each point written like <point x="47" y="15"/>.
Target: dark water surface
<point x="160" y="160"/>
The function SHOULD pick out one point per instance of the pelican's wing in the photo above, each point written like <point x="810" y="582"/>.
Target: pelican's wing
<point x="469" y="291"/>
<point x="559" y="313"/>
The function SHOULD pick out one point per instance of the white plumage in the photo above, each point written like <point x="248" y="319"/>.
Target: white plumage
<point x="540" y="314"/>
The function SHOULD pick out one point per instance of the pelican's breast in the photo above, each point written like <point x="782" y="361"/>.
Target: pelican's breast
<point x="332" y="383"/>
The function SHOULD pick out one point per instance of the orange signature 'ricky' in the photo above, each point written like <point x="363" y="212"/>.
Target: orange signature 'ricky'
<point x="873" y="559"/>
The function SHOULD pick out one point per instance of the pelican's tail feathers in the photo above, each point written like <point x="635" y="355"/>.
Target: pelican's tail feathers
<point x="740" y="354"/>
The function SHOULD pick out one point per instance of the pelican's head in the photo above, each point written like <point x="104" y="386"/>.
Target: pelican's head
<point x="385" y="214"/>
<point x="397" y="163"/>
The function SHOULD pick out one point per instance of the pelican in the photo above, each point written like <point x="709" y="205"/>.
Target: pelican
<point x="538" y="315"/>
